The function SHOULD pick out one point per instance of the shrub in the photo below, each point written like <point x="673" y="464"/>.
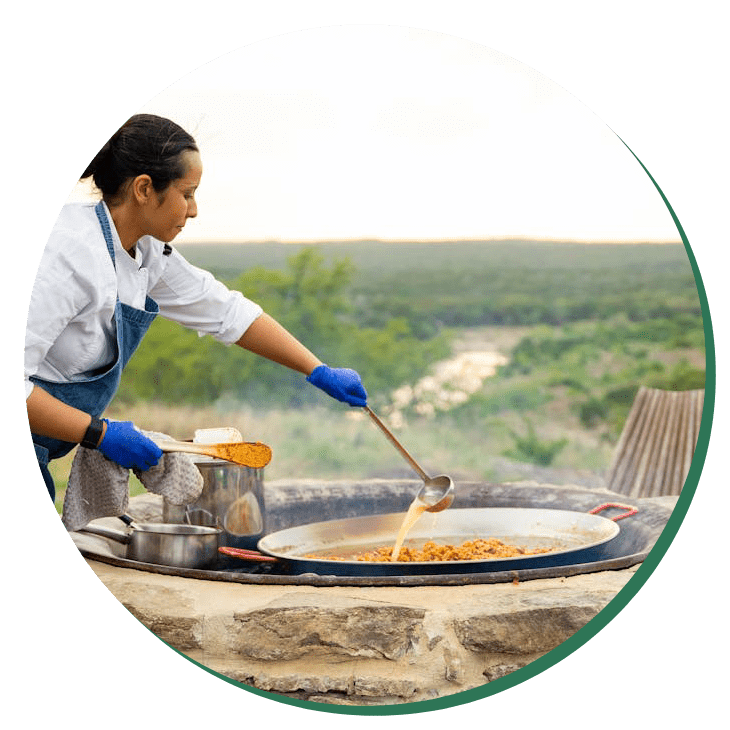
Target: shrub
<point x="683" y="376"/>
<point x="592" y="411"/>
<point x="532" y="449"/>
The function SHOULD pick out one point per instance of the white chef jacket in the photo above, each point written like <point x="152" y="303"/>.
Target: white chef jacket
<point x="70" y="329"/>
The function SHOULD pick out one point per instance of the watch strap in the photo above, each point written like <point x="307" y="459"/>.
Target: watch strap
<point x="93" y="433"/>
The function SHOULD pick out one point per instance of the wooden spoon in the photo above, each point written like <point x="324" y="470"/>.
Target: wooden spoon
<point x="255" y="455"/>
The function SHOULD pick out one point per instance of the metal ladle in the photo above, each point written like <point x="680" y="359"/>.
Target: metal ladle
<point x="436" y="492"/>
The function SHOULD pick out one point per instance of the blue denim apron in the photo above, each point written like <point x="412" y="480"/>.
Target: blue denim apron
<point x="94" y="393"/>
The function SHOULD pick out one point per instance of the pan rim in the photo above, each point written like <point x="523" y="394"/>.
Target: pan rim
<point x="284" y="552"/>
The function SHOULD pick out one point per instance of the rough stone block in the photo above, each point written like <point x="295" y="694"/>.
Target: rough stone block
<point x="179" y="632"/>
<point x="502" y="670"/>
<point x="292" y="627"/>
<point x="526" y="626"/>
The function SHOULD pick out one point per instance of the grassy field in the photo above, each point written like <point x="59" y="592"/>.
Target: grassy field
<point x="340" y="442"/>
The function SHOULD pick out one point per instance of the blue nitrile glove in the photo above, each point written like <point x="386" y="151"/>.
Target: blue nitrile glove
<point x="340" y="383"/>
<point x="125" y="444"/>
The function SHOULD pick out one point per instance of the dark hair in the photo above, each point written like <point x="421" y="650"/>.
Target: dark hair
<point x="145" y="145"/>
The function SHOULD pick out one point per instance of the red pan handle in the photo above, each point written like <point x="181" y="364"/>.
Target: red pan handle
<point x="234" y="552"/>
<point x="630" y="510"/>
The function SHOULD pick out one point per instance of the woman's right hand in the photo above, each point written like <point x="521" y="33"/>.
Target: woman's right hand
<point x="343" y="384"/>
<point x="126" y="445"/>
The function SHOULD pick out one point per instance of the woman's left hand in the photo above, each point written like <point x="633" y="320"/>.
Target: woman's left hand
<point x="342" y="384"/>
<point x="126" y="445"/>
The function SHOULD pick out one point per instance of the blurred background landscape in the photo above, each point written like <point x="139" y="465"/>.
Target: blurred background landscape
<point x="494" y="360"/>
<point x="465" y="233"/>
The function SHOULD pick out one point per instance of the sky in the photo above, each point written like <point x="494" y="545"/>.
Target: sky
<point x="393" y="133"/>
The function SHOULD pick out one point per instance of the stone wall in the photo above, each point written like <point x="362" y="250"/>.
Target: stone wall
<point x="359" y="646"/>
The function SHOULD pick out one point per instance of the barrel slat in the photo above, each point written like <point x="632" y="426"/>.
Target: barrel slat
<point x="657" y="444"/>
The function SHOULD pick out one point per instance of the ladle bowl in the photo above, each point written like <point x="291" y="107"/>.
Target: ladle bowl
<point x="437" y="493"/>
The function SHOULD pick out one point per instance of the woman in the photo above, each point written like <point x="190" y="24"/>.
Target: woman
<point x="107" y="271"/>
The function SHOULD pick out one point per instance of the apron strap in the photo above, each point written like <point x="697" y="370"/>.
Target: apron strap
<point x="106" y="229"/>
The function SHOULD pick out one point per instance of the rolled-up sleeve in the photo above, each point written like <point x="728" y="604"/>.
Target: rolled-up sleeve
<point x="197" y="300"/>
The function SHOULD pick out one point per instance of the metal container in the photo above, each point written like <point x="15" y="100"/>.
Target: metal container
<point x="328" y="547"/>
<point x="232" y="499"/>
<point x="177" y="546"/>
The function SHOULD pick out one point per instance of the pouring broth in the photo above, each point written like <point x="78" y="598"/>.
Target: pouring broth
<point x="417" y="508"/>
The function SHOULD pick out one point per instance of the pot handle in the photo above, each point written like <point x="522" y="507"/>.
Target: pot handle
<point x="629" y="510"/>
<point x="108" y="532"/>
<point x="233" y="552"/>
<point x="210" y="519"/>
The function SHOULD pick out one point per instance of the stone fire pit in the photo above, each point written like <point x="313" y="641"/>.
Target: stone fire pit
<point x="350" y="644"/>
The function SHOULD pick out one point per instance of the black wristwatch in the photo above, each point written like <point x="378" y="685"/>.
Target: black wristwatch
<point x="93" y="433"/>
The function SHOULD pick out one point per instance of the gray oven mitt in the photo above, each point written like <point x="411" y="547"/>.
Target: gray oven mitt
<point x="98" y="487"/>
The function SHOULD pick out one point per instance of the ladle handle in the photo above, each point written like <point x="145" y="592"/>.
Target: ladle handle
<point x="397" y="444"/>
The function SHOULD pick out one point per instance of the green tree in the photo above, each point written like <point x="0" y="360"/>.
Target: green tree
<point x="310" y="299"/>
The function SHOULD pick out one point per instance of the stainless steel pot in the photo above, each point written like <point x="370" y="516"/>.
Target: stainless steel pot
<point x="232" y="499"/>
<point x="178" y="546"/>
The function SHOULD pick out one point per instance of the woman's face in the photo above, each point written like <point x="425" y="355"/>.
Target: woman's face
<point x="170" y="209"/>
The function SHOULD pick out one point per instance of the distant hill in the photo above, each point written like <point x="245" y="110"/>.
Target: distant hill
<point x="227" y="260"/>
